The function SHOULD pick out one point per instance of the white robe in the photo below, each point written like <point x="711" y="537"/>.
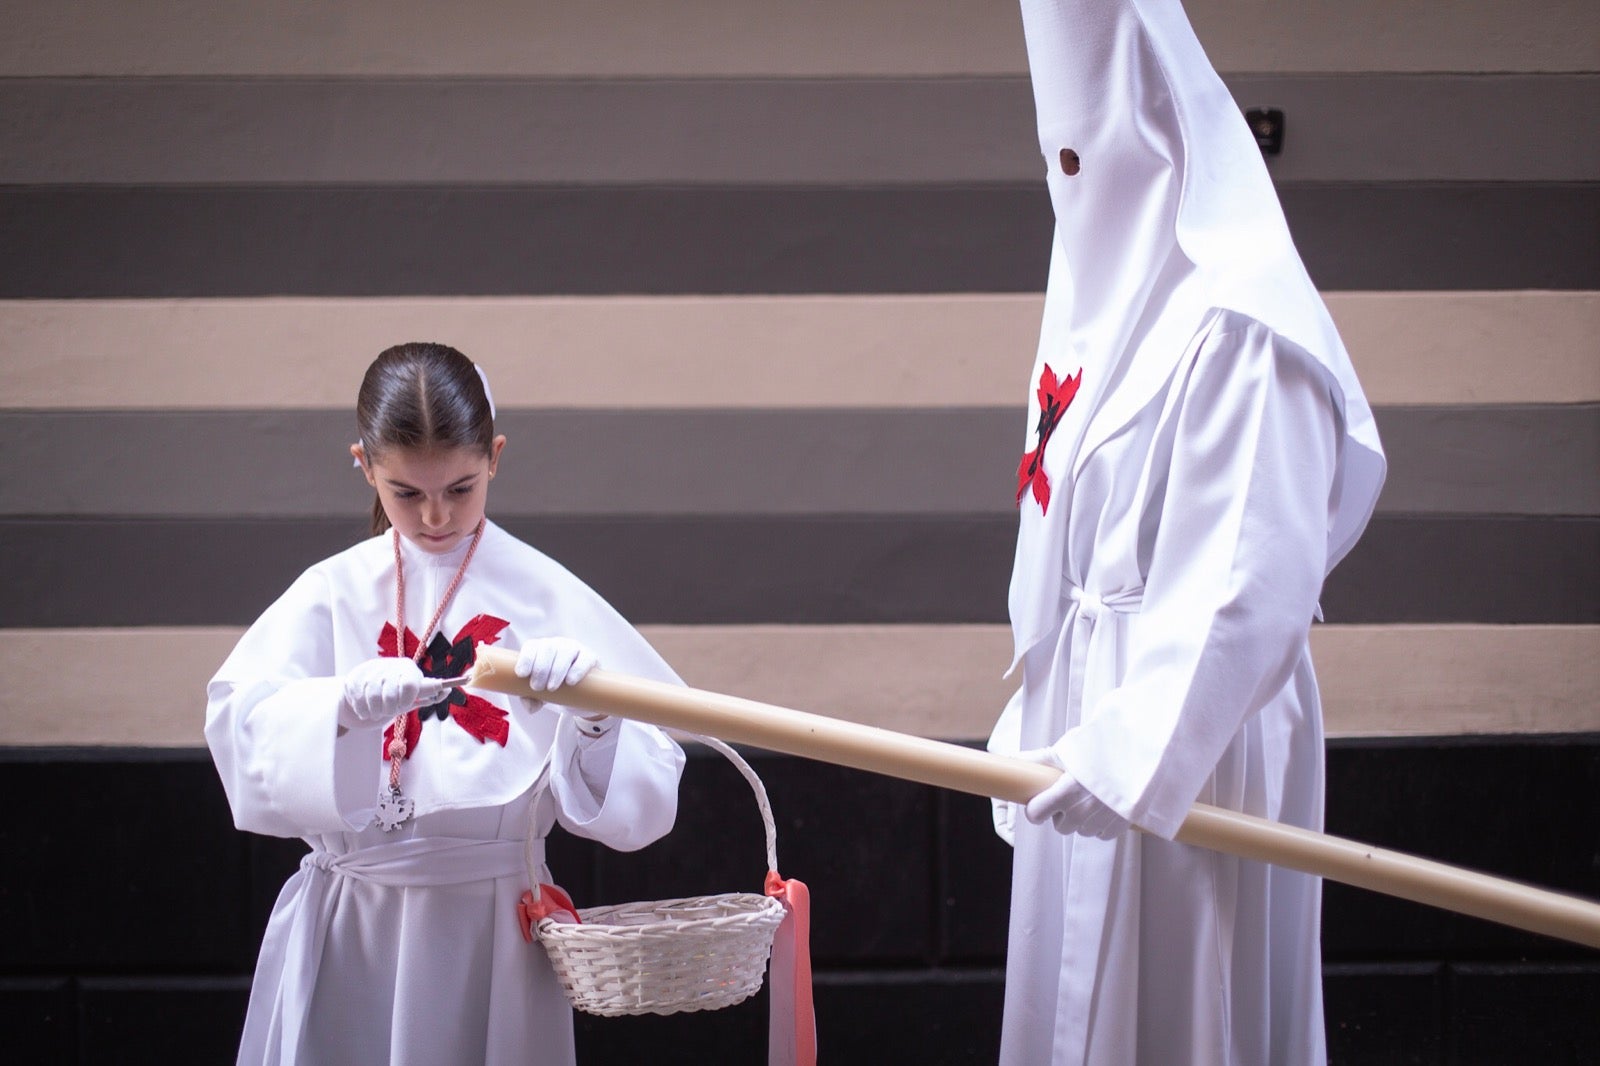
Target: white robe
<point x="404" y="947"/>
<point x="1178" y="668"/>
<point x="1218" y="460"/>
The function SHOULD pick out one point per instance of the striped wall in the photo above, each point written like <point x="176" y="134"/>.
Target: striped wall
<point x="757" y="286"/>
<point x="791" y="356"/>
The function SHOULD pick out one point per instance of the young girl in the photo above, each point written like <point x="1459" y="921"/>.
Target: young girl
<point x="397" y="941"/>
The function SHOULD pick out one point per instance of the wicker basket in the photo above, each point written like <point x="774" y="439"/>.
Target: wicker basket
<point x="672" y="955"/>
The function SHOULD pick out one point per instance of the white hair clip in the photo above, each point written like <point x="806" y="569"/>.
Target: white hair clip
<point x="486" y="393"/>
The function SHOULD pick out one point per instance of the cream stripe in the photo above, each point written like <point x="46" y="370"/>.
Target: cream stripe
<point x="610" y="38"/>
<point x="790" y="351"/>
<point x="144" y="686"/>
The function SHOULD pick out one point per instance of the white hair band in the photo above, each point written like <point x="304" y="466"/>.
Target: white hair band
<point x="487" y="395"/>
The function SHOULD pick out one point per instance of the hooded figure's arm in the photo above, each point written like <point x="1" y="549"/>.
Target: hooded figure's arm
<point x="1236" y="566"/>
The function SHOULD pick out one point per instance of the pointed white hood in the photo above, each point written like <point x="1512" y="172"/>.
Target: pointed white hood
<point x="1164" y="210"/>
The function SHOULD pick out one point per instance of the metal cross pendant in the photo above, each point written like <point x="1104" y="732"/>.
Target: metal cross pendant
<point x="394" y="810"/>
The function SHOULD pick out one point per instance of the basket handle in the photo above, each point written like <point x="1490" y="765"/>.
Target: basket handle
<point x="533" y="851"/>
<point x="750" y="776"/>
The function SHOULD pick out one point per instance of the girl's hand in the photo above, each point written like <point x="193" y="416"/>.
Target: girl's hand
<point x="550" y="662"/>
<point x="379" y="689"/>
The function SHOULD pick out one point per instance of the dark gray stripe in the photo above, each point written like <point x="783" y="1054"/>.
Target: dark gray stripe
<point x="188" y="241"/>
<point x="289" y="464"/>
<point x="1355" y="127"/>
<point x="1438" y="236"/>
<point x="732" y="570"/>
<point x="751" y="571"/>
<point x="519" y="131"/>
<point x="1430" y="127"/>
<point x="1533" y="459"/>
<point x="1501" y="571"/>
<point x="1505" y="459"/>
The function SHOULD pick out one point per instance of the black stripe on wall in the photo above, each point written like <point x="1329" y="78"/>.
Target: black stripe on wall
<point x="1527" y="459"/>
<point x="815" y="569"/>
<point x="890" y="130"/>
<point x="194" y="241"/>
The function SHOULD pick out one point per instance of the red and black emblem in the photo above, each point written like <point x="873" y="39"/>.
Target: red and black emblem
<point x="1054" y="399"/>
<point x="482" y="720"/>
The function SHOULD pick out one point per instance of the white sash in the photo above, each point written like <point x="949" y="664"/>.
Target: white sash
<point x="292" y="946"/>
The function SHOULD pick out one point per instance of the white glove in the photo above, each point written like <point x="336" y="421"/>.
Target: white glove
<point x="1004" y="813"/>
<point x="550" y="662"/>
<point x="379" y="689"/>
<point x="1068" y="804"/>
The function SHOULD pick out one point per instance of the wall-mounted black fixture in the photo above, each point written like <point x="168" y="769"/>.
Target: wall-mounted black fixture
<point x="1266" y="124"/>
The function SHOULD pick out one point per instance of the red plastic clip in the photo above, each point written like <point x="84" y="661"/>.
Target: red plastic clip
<point x="551" y="899"/>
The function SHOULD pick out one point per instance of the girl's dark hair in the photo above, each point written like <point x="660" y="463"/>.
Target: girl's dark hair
<point x="421" y="395"/>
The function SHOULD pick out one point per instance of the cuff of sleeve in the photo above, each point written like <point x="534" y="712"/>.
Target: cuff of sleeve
<point x="592" y="728"/>
<point x="314" y="774"/>
<point x="620" y="789"/>
<point x="581" y="765"/>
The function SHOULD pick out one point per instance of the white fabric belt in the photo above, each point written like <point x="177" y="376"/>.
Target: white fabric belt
<point x="424" y="861"/>
<point x="1089" y="889"/>
<point x="293" y="948"/>
<point x="1088" y="608"/>
<point x="1123" y="601"/>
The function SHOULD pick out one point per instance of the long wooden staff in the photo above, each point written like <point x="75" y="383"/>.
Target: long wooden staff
<point x="933" y="762"/>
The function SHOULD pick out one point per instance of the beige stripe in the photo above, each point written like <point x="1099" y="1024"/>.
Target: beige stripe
<point x="789" y="351"/>
<point x="940" y="681"/>
<point x="607" y="38"/>
<point x="1473" y="347"/>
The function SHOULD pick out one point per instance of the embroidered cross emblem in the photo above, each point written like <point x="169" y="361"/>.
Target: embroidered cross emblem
<point x="1054" y="398"/>
<point x="482" y="720"/>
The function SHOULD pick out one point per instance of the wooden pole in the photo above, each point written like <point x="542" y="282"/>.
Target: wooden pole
<point x="981" y="773"/>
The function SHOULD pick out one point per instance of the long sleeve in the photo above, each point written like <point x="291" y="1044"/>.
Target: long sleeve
<point x="290" y="769"/>
<point x="1006" y="739"/>
<point x="1235" y="569"/>
<point x="272" y="724"/>
<point x="619" y="789"/>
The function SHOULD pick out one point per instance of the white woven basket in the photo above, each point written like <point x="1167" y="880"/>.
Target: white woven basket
<point x="672" y="955"/>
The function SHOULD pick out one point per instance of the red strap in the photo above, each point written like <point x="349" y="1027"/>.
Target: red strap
<point x="792" y="1023"/>
<point x="551" y="899"/>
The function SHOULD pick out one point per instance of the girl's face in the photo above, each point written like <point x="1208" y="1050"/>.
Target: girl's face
<point x="434" y="497"/>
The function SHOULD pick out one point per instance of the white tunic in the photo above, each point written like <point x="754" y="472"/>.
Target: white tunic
<point x="1179" y="670"/>
<point x="404" y="947"/>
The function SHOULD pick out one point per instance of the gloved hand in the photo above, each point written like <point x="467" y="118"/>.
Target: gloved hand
<point x="1068" y="804"/>
<point x="550" y="662"/>
<point x="1004" y="813"/>
<point x="379" y="689"/>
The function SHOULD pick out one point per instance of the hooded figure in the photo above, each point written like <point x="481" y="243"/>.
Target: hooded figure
<point x="1197" y="458"/>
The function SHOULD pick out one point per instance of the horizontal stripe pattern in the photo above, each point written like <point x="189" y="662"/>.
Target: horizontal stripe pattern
<point x="831" y="38"/>
<point x="186" y="241"/>
<point x="738" y="131"/>
<point x="938" y="681"/>
<point x="756" y="329"/>
<point x="756" y="570"/>
<point x="886" y="461"/>
<point x="951" y="350"/>
<point x="768" y="274"/>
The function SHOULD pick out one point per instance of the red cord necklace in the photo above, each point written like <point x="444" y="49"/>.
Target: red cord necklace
<point x="394" y="808"/>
